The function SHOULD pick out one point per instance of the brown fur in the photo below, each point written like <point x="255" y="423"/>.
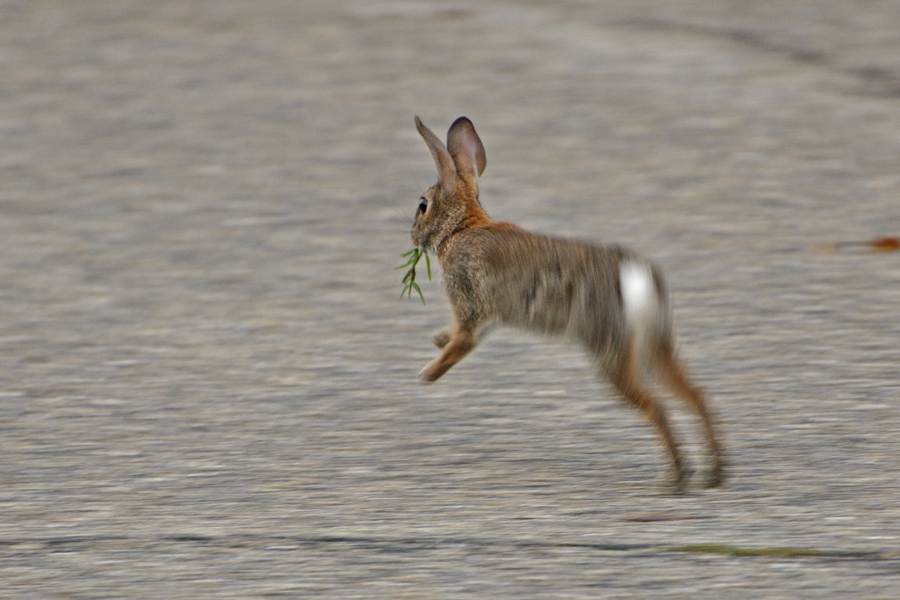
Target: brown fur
<point x="498" y="273"/>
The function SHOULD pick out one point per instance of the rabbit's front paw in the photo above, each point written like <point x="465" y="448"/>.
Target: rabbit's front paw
<point x="442" y="337"/>
<point x="431" y="372"/>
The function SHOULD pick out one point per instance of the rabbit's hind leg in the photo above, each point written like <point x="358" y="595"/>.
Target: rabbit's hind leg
<point x="624" y="374"/>
<point x="674" y="375"/>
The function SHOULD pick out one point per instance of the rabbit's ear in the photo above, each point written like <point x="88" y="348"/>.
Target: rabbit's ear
<point x="466" y="149"/>
<point x="442" y="159"/>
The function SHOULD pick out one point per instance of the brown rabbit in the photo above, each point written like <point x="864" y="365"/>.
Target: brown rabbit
<point x="606" y="297"/>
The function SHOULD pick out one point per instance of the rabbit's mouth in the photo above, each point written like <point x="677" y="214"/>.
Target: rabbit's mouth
<point x="421" y="239"/>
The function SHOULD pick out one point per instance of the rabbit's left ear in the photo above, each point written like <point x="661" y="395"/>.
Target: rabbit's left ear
<point x="466" y="148"/>
<point x="442" y="159"/>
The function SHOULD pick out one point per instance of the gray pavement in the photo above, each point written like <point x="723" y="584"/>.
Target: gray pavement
<point x="207" y="380"/>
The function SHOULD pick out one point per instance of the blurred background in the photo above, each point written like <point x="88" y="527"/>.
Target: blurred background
<point x="208" y="382"/>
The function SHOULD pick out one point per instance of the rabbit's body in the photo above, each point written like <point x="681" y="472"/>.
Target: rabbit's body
<point x="607" y="298"/>
<point x="553" y="286"/>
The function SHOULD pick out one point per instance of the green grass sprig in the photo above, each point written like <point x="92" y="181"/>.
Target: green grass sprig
<point x="409" y="280"/>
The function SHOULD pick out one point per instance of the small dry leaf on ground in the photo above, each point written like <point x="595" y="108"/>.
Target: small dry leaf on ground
<point x="885" y="244"/>
<point x="879" y="244"/>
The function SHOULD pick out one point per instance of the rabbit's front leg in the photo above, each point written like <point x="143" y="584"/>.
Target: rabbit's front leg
<point x="441" y="337"/>
<point x="461" y="341"/>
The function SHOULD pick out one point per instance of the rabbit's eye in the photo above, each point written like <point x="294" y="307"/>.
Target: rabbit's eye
<point x="423" y="205"/>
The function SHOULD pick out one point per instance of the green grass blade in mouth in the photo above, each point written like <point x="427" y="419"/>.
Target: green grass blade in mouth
<point x="409" y="279"/>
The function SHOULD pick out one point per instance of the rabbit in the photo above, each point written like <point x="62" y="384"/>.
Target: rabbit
<point x="608" y="298"/>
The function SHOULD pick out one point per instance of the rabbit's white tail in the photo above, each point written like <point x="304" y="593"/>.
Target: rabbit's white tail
<point x="642" y="303"/>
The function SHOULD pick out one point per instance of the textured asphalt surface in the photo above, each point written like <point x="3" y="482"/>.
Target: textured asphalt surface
<point x="208" y="384"/>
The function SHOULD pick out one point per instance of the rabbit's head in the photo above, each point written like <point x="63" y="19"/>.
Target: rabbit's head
<point x="452" y="203"/>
